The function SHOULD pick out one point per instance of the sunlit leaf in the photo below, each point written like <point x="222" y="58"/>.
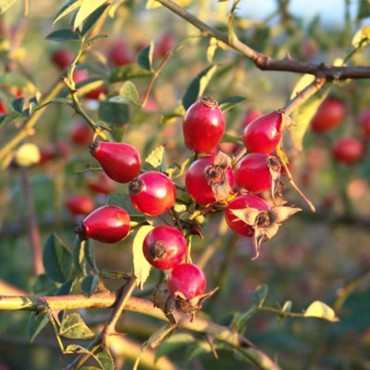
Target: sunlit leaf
<point x="87" y="8"/>
<point x="74" y="327"/>
<point x="129" y="91"/>
<point x="212" y="47"/>
<point x="69" y="7"/>
<point x="322" y="311"/>
<point x="106" y="360"/>
<point x="93" y="18"/>
<point x="5" y="5"/>
<point x="152" y="4"/>
<point x="141" y="265"/>
<point x="361" y="37"/>
<point x="155" y="160"/>
<point x="302" y="116"/>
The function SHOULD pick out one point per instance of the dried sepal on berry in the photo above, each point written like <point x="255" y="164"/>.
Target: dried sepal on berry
<point x="274" y="167"/>
<point x="219" y="176"/>
<point x="264" y="223"/>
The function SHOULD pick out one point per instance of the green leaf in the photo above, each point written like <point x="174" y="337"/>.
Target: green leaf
<point x="155" y="160"/>
<point x="260" y="294"/>
<point x="89" y="284"/>
<point x="36" y="322"/>
<point x="231" y="139"/>
<point x="65" y="288"/>
<point x="302" y="116"/>
<point x="44" y="285"/>
<point x="89" y="253"/>
<point x="92" y="41"/>
<point x="106" y="360"/>
<point x="18" y="105"/>
<point x="287" y="306"/>
<point x="74" y="327"/>
<point x="9" y="118"/>
<point x="129" y="92"/>
<point x="230" y="102"/>
<point x="145" y="57"/>
<point x="123" y="200"/>
<point x="141" y="265"/>
<point x="64" y="34"/>
<point x="5" y="5"/>
<point x="69" y="7"/>
<point x="197" y="86"/>
<point x="241" y="318"/>
<point x="86" y="9"/>
<point x="199" y="348"/>
<point x="322" y="311"/>
<point x="128" y="72"/>
<point x="363" y="10"/>
<point x="57" y="259"/>
<point x="174" y="342"/>
<point x="114" y="113"/>
<point x="93" y="18"/>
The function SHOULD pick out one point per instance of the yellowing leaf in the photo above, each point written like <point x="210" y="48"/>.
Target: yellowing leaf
<point x="153" y="4"/>
<point x="155" y="158"/>
<point x="141" y="265"/>
<point x="322" y="311"/>
<point x="85" y="10"/>
<point x="361" y="37"/>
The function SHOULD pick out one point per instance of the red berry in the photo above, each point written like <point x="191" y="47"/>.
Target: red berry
<point x="120" y="161"/>
<point x="239" y="203"/>
<point x="108" y="224"/>
<point x="249" y="116"/>
<point x="264" y="133"/>
<point x="95" y="94"/>
<point x="80" y="133"/>
<point x="207" y="181"/>
<point x="203" y="125"/>
<point x="254" y="172"/>
<point x="119" y="53"/>
<point x="330" y="114"/>
<point x="152" y="193"/>
<point x="62" y="58"/>
<point x="364" y="118"/>
<point x="188" y="280"/>
<point x="348" y="150"/>
<point x="164" y="247"/>
<point x="3" y="109"/>
<point x="101" y="184"/>
<point x="79" y="204"/>
<point x="165" y="43"/>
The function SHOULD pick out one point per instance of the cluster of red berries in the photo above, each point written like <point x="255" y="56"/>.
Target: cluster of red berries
<point x="329" y="116"/>
<point x="152" y="193"/>
<point x="214" y="178"/>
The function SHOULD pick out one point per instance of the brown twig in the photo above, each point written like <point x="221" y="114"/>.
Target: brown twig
<point x="107" y="299"/>
<point x="266" y="63"/>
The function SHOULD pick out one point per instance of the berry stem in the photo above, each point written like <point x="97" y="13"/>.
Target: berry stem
<point x="296" y="188"/>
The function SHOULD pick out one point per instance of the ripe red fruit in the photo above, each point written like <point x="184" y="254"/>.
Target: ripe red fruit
<point x="203" y="125"/>
<point x="80" y="133"/>
<point x="256" y="171"/>
<point x="187" y="280"/>
<point x="119" y="53"/>
<point x="364" y="118"/>
<point x="152" y="193"/>
<point x="95" y="94"/>
<point x="209" y="180"/>
<point x="62" y="58"/>
<point x="3" y="109"/>
<point x="348" y="150"/>
<point x="330" y="114"/>
<point x="165" y="43"/>
<point x="101" y="184"/>
<point x="264" y="133"/>
<point x="79" y="204"/>
<point x="239" y="203"/>
<point x="249" y="116"/>
<point x="108" y="224"/>
<point x="164" y="247"/>
<point x="120" y="161"/>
